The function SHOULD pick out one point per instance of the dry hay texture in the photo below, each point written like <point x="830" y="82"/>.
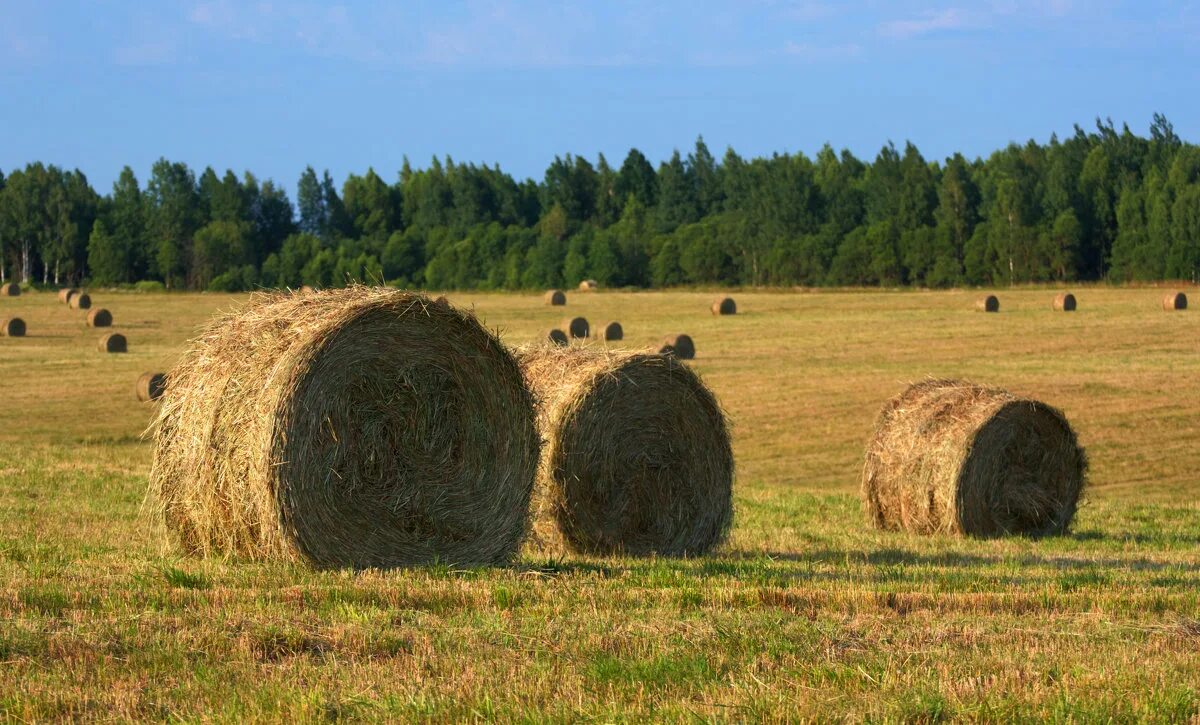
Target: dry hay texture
<point x="360" y="427"/>
<point x="637" y="458"/>
<point x="557" y="337"/>
<point x="1064" y="302"/>
<point x="12" y="327"/>
<point x="576" y="327"/>
<point x="1175" y="301"/>
<point x="610" y="331"/>
<point x="10" y="290"/>
<point x="724" y="306"/>
<point x="950" y="457"/>
<point x="150" y="386"/>
<point x="81" y="301"/>
<point x="99" y="317"/>
<point x="555" y="297"/>
<point x="680" y="346"/>
<point x="588" y="285"/>
<point x="65" y="294"/>
<point x="113" y="342"/>
<point x="991" y="303"/>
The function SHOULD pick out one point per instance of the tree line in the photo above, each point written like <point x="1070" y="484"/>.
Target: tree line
<point x="1101" y="205"/>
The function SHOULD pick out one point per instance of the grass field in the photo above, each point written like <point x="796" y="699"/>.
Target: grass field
<point x="805" y="613"/>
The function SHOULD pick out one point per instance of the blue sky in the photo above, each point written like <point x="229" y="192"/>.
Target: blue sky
<point x="276" y="85"/>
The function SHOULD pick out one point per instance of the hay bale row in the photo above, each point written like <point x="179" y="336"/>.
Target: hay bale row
<point x="99" y="317"/>
<point x="12" y="327"/>
<point x="10" y="290"/>
<point x="637" y="457"/>
<point x="150" y="386"/>
<point x="80" y="301"/>
<point x="360" y="427"/>
<point x="65" y="294"/>
<point x="955" y="458"/>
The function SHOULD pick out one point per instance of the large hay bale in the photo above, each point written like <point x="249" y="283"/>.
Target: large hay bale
<point x="99" y="317"/>
<point x="65" y="294"/>
<point x="576" y="327"/>
<point x="113" y="342"/>
<point x="679" y="345"/>
<point x="991" y="303"/>
<point x="1064" y="302"/>
<point x="588" y="285"/>
<point x="724" y="306"/>
<point x="952" y="457"/>
<point x="81" y="301"/>
<point x="1175" y="301"/>
<point x="12" y="327"/>
<point x="360" y="427"/>
<point x="10" y="290"/>
<point x="557" y="337"/>
<point x="610" y="331"/>
<point x="637" y="457"/>
<point x="555" y="297"/>
<point x="150" y="386"/>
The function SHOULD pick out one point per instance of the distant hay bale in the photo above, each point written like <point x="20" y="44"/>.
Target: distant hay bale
<point x="99" y="317"/>
<point x="637" y="459"/>
<point x="991" y="303"/>
<point x="150" y="386"/>
<point x="576" y="327"/>
<point x="113" y="342"/>
<point x="305" y="290"/>
<point x="557" y="337"/>
<point x="12" y="327"/>
<point x="555" y="297"/>
<point x="1175" y="301"/>
<point x="81" y="301"/>
<point x="65" y="294"/>
<point x="955" y="458"/>
<point x="588" y="285"/>
<point x="724" y="306"/>
<point x="359" y="427"/>
<point x="680" y="346"/>
<point x="610" y="331"/>
<point x="10" y="290"/>
<point x="1064" y="302"/>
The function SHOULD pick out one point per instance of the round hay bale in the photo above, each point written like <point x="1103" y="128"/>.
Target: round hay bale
<point x="576" y="327"/>
<point x="991" y="303"/>
<point x="81" y="301"/>
<point x="305" y="290"/>
<point x="611" y="331"/>
<point x="724" y="306"/>
<point x="588" y="285"/>
<point x="637" y="458"/>
<point x="10" y="290"/>
<point x="1064" y="302"/>
<point x="99" y="317"/>
<point x="555" y="297"/>
<point x="955" y="458"/>
<point x="360" y="427"/>
<point x="12" y="327"/>
<point x="113" y="342"/>
<point x="680" y="346"/>
<point x="1175" y="301"/>
<point x="150" y="386"/>
<point x="64" y="294"/>
<point x="557" y="337"/>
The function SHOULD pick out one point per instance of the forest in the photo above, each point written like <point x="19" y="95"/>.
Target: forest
<point x="1105" y="204"/>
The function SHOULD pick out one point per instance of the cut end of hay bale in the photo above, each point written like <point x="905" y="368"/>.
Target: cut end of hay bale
<point x="991" y="303"/>
<point x="1175" y="301"/>
<point x="100" y="317"/>
<point x="576" y="327"/>
<point x="113" y="342"/>
<point x="12" y="327"/>
<point x="679" y="346"/>
<point x="724" y="306"/>
<point x="65" y="294"/>
<point x="81" y="301"/>
<point x="557" y="337"/>
<point x="588" y="285"/>
<point x="555" y="297"/>
<point x="10" y="290"/>
<point x="150" y="386"/>
<point x="637" y="458"/>
<point x="1064" y="302"/>
<point x="362" y="427"/>
<point x="956" y="458"/>
<point x="610" y="331"/>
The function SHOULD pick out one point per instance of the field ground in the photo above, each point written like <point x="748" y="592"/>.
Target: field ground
<point x="805" y="613"/>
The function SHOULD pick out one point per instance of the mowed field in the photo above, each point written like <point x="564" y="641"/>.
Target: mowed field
<point x="805" y="613"/>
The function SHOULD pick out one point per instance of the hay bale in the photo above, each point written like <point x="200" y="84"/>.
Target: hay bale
<point x="576" y="327"/>
<point x="557" y="337"/>
<point x="610" y="331"/>
<point x="589" y="285"/>
<point x="99" y="317"/>
<point x="1064" y="302"/>
<point x="680" y="346"/>
<point x="81" y="301"/>
<point x="724" y="306"/>
<point x="555" y="297"/>
<point x="10" y="290"/>
<point x="637" y="458"/>
<point x="955" y="458"/>
<point x="991" y="303"/>
<point x="65" y="294"/>
<point x="150" y="386"/>
<point x="1175" y="301"/>
<point x="359" y="427"/>
<point x="12" y="327"/>
<point x="305" y="290"/>
<point x="113" y="342"/>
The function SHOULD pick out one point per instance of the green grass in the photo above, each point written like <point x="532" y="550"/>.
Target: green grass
<point x="805" y="613"/>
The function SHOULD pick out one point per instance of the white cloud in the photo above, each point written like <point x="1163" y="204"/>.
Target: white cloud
<point x="931" y="22"/>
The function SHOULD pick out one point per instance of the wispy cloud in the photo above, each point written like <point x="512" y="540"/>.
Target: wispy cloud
<point x="930" y="22"/>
